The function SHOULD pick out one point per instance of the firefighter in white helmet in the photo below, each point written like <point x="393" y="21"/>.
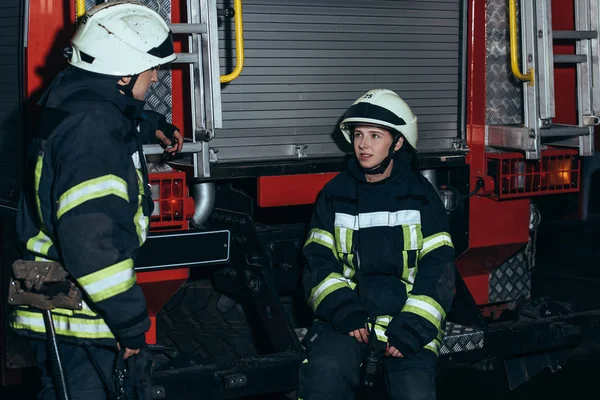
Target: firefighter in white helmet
<point x="86" y="202"/>
<point x="379" y="263"/>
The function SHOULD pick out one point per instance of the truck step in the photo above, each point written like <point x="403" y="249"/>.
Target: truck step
<point x="245" y="377"/>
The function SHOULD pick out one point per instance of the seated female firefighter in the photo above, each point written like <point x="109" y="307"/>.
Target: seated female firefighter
<point x="378" y="251"/>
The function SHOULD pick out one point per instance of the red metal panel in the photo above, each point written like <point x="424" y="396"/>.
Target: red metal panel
<point x="158" y="288"/>
<point x="563" y="18"/>
<point x="288" y="190"/>
<point x="51" y="25"/>
<point x="492" y="225"/>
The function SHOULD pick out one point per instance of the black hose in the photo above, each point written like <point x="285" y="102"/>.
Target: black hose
<point x="60" y="383"/>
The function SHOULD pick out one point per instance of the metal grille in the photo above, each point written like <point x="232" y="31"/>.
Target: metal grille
<point x="307" y="61"/>
<point x="504" y="98"/>
<point x="511" y="281"/>
<point x="461" y="338"/>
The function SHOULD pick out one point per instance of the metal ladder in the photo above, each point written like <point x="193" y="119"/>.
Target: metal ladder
<point x="538" y="37"/>
<point x="205" y="86"/>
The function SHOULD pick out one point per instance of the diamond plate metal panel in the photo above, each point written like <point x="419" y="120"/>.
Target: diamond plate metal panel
<point x="512" y="280"/>
<point x="504" y="98"/>
<point x="461" y="338"/>
<point x="159" y="97"/>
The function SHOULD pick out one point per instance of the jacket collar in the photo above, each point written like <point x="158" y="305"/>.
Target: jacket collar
<point x="401" y="169"/>
<point x="75" y="84"/>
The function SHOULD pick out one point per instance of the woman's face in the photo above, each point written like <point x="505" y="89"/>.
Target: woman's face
<point x="372" y="145"/>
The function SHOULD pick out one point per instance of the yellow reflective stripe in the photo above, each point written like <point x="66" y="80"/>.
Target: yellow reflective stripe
<point x="379" y="332"/>
<point x="109" y="281"/>
<point x="85" y="310"/>
<point x="348" y="239"/>
<point x="140" y="220"/>
<point x="343" y="239"/>
<point x="349" y="272"/>
<point x="430" y="243"/>
<point x="383" y="320"/>
<point x="405" y="265"/>
<point x="322" y="237"/>
<point x="333" y="282"/>
<point x="426" y="307"/>
<point x="38" y="177"/>
<point x="39" y="244"/>
<point x="92" y="189"/>
<point x="66" y="326"/>
<point x="413" y="236"/>
<point x="434" y="346"/>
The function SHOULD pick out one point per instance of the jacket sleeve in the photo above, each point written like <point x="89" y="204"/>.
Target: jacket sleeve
<point x="421" y="320"/>
<point x="328" y="286"/>
<point x="95" y="226"/>
<point x="151" y="122"/>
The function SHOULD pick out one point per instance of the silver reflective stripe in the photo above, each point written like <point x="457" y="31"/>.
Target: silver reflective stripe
<point x="109" y="281"/>
<point x="433" y="346"/>
<point x="66" y="326"/>
<point x="343" y="244"/>
<point x="379" y="218"/>
<point x="92" y="189"/>
<point x="39" y="244"/>
<point x="434" y="242"/>
<point x="330" y="284"/>
<point x="322" y="236"/>
<point x="412" y="272"/>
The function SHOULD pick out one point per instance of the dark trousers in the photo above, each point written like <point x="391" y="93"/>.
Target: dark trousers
<point x="334" y="367"/>
<point x="84" y="381"/>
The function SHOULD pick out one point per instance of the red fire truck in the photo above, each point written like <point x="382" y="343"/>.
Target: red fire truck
<point x="507" y="94"/>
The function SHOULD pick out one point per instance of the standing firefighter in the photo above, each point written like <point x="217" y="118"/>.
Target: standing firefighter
<point x="379" y="250"/>
<point x="86" y="200"/>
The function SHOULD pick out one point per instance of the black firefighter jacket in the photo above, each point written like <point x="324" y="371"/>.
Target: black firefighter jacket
<point x="85" y="203"/>
<point x="381" y="250"/>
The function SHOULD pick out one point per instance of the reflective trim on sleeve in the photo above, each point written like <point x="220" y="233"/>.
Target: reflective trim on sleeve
<point x="430" y="243"/>
<point x="39" y="244"/>
<point x="92" y="189"/>
<point x="333" y="282"/>
<point x="322" y="237"/>
<point x="141" y="220"/>
<point x="426" y="307"/>
<point x="109" y="281"/>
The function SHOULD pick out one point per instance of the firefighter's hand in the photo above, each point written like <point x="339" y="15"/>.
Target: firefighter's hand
<point x="362" y="335"/>
<point x="128" y="352"/>
<point x="391" y="351"/>
<point x="177" y="136"/>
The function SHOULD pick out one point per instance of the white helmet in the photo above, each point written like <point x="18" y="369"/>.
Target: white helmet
<point x="121" y="38"/>
<point x="385" y="108"/>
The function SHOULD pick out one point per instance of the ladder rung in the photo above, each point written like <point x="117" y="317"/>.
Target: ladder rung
<point x="186" y="58"/>
<point x="187" y="28"/>
<point x="188" y="147"/>
<point x="578" y="35"/>
<point x="564" y="131"/>
<point x="569" y="58"/>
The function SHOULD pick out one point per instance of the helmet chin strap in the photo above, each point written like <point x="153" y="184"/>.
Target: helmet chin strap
<point x="380" y="169"/>
<point x="128" y="88"/>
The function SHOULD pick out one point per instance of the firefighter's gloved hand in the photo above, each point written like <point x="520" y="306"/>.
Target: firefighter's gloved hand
<point x="352" y="322"/>
<point x="128" y="352"/>
<point x="391" y="351"/>
<point x="169" y="135"/>
<point x="400" y="349"/>
<point x="361" y="335"/>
